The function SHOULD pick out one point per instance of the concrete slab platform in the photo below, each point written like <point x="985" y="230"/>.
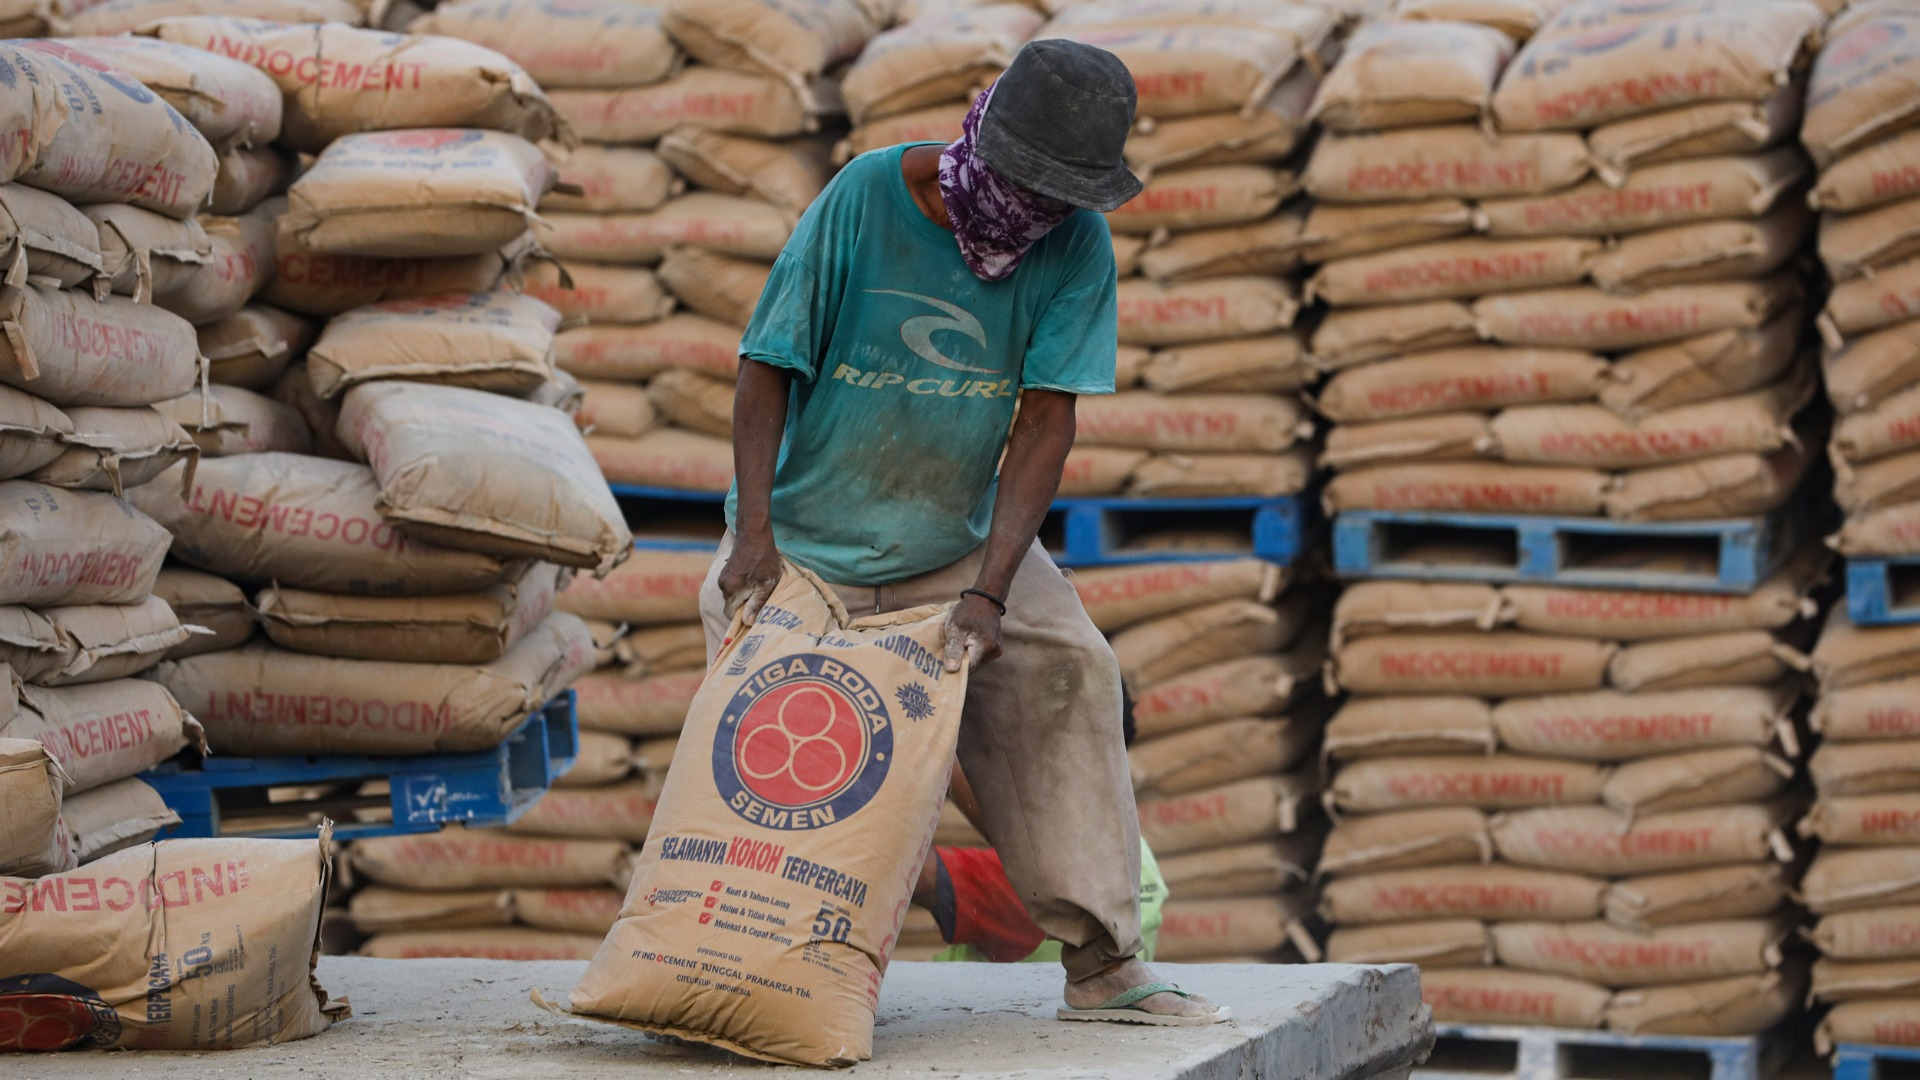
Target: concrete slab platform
<point x="442" y="1019"/>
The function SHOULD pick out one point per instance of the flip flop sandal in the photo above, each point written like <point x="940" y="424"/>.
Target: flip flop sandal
<point x="1124" y="1009"/>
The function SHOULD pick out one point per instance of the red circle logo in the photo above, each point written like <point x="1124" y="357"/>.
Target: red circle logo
<point x="800" y="744"/>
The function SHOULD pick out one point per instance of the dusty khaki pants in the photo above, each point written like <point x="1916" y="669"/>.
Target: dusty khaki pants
<point x="1041" y="744"/>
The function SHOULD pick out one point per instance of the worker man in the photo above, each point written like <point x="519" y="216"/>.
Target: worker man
<point x="926" y="293"/>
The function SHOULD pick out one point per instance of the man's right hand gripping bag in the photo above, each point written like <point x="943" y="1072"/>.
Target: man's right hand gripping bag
<point x="782" y="857"/>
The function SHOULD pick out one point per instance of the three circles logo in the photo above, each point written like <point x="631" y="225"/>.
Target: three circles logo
<point x="805" y="742"/>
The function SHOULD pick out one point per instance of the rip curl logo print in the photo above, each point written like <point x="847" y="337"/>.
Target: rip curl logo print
<point x="917" y="333"/>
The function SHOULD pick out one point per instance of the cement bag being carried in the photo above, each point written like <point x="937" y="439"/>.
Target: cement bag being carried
<point x="564" y="42"/>
<point x="180" y="945"/>
<point x="430" y="193"/>
<point x="813" y="814"/>
<point x="338" y="80"/>
<point x="482" y="472"/>
<point x="495" y="341"/>
<point x="233" y="104"/>
<point x="74" y="547"/>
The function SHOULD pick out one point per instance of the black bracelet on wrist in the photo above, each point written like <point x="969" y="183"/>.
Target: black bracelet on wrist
<point x="984" y="594"/>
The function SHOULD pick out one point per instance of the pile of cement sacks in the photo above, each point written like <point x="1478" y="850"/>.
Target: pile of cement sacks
<point x="1562" y="279"/>
<point x="1568" y="805"/>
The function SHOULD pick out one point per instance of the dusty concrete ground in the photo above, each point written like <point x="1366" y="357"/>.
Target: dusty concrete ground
<point x="442" y="1019"/>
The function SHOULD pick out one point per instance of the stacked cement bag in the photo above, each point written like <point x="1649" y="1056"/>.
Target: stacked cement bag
<point x="1220" y="660"/>
<point x="1592" y="312"/>
<point x="1862" y="104"/>
<point x="104" y="256"/>
<point x="1568" y="805"/>
<point x="1210" y="362"/>
<point x="1862" y="884"/>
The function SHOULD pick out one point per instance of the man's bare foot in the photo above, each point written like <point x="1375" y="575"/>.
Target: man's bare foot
<point x="1098" y="989"/>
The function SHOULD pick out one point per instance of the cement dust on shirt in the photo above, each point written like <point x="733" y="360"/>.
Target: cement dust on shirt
<point x="906" y="371"/>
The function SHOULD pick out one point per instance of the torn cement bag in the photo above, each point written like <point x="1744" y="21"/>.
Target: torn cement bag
<point x="1587" y="318"/>
<point x="1610" y="956"/>
<point x="1738" y="891"/>
<point x="788" y="174"/>
<point x="1470" y="891"/>
<point x="339" y="80"/>
<point x="666" y="457"/>
<point x="93" y="642"/>
<point x="737" y="102"/>
<point x="114" y="817"/>
<point x="241" y="265"/>
<point x="611" y="178"/>
<point x="1675" y="193"/>
<point x="615" y="408"/>
<point x="1405" y="74"/>
<point x="603" y="759"/>
<point x="227" y="420"/>
<point x="845" y="671"/>
<point x="1472" y="486"/>
<point x="233" y="104"/>
<point x="1851" y="879"/>
<point x="1891" y="818"/>
<point x="1457" y="161"/>
<point x="1257" y="869"/>
<point x="1219" y="753"/>
<point x="43" y="235"/>
<point x="1459" y="436"/>
<point x="490" y="944"/>
<point x="1242" y="812"/>
<point x="1862" y="86"/>
<point x="254" y="903"/>
<point x="1476" y="378"/>
<point x="1226" y="630"/>
<point x="71" y="349"/>
<point x="1187" y="423"/>
<point x="1705" y="251"/>
<point x="727" y="224"/>
<point x="308" y="523"/>
<point x="1710" y="777"/>
<point x="620" y="811"/>
<point x="143" y="253"/>
<point x="1871" y="176"/>
<point x="1607" y="725"/>
<point x="1269" y="363"/>
<point x="1454" y="269"/>
<point x="1710" y="129"/>
<point x="936" y="58"/>
<point x="249" y="176"/>
<point x="1873" y="934"/>
<point x="1865" y="768"/>
<point x="116" y="449"/>
<point x="74" y="547"/>
<point x="598" y="294"/>
<point x="1880" y="709"/>
<point x="463" y="628"/>
<point x="1404" y="840"/>
<point x="32" y="432"/>
<point x="1597" y="840"/>
<point x="1705" y="366"/>
<point x="1437" y="943"/>
<point x="377" y="908"/>
<point x="522" y="485"/>
<point x="1496" y="664"/>
<point x="1205" y="197"/>
<point x="650" y="587"/>
<point x="1153" y="314"/>
<point x="417" y="194"/>
<point x="101" y="732"/>
<point x="1338" y="231"/>
<point x="264" y="700"/>
<point x="1357" y="335"/>
<point x="694" y="401"/>
<point x="562" y="43"/>
<point x="495" y="341"/>
<point x="208" y="602"/>
<point x="1119" y="596"/>
<point x="1409" y="727"/>
<point x="1195" y="929"/>
<point x="1207" y="476"/>
<point x="251" y="347"/>
<point x="31" y="786"/>
<point x="460" y="858"/>
<point x="93" y="134"/>
<point x="1485" y="782"/>
<point x="1501" y="996"/>
<point x="1648" y="60"/>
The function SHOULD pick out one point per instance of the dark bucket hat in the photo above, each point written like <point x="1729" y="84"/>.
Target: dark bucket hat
<point x="1058" y="122"/>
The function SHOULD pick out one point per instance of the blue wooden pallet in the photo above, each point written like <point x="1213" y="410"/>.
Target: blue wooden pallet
<point x="1863" y="1061"/>
<point x="1502" y="1052"/>
<point x="1871" y="598"/>
<point x="485" y="787"/>
<point x="1745" y="550"/>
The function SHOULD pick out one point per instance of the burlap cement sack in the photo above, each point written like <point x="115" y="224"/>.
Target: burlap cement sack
<point x="89" y="132"/>
<point x="737" y="102"/>
<point x="1889" y="1021"/>
<point x="651" y="587"/>
<point x="792" y="41"/>
<point x="612" y="178"/>
<point x="1871" y="176"/>
<point x="1849" y="655"/>
<point x="1862" y="86"/>
<point x="1469" y="378"/>
<point x="1494" y="892"/>
<point x="233" y="104"/>
<point x="574" y="911"/>
<point x="1338" y="231"/>
<point x="1245" y="811"/>
<point x="1209" y="634"/>
<point x="1710" y="129"/>
<point x="1864" y="820"/>
<point x="1209" y="476"/>
<point x="1405" y="840"/>
<point x="228" y="420"/>
<point x="622" y="811"/>
<point x="1272" y="131"/>
<point x="1607" y="725"/>
<point x="1875" y="933"/>
<point x="1704" y="367"/>
<point x="1270" y="363"/>
<point x="264" y="700"/>
<point x="1497" y="664"/>
<point x="1875" y="710"/>
<point x="1188" y="68"/>
<point x="1454" y="269"/>
<point x="114" y="817"/>
<point x="527" y="486"/>
<point x="1649" y="60"/>
<point x="1437" y="943"/>
<point x="604" y="758"/>
<point x="495" y="341"/>
<point x="43" y="235"/>
<point x="1705" y="251"/>
<point x="460" y="858"/>
<point x="1723" y="892"/>
<point x="1733" y="485"/>
<point x="126" y="16"/>
<point x="612" y="408"/>
<point x="1219" y="753"/>
<point x="728" y="224"/>
<point x="70" y="349"/>
<point x="1587" y="318"/>
<point x="1195" y="929"/>
<point x="74" y="547"/>
<point x="1404" y="74"/>
<point x="755" y="681"/>
<point x="1599" y="952"/>
<point x="1488" y="487"/>
<point x="92" y="642"/>
<point x="1119" y="596"/>
<point x="1596" y="840"/>
<point x="563" y="42"/>
<point x="1851" y="879"/>
<point x="115" y="449"/>
<point x="935" y="59"/>
<point x="464" y="628"/>
<point x="788" y="174"/>
<point x="1355" y="336"/>
<point x="32" y="432"/>
<point x="249" y="175"/>
<point x="379" y="908"/>
<point x="1658" y="195"/>
<point x="209" y="602"/>
<point x="490" y="944"/>
<point x="1757" y="422"/>
<point x="1457" y="161"/>
<point x="1257" y="869"/>
<point x="1855" y="245"/>
<point x="1193" y="422"/>
<point x="31" y="785"/>
<point x="1410" y="440"/>
<point x="1485" y="782"/>
<point x="1501" y="996"/>
<point x="1400" y="727"/>
<point x="1203" y="197"/>
<point x="338" y="80"/>
<point x="1865" y="768"/>
<point x="1251" y="686"/>
<point x="1856" y="980"/>
<point x="624" y="294"/>
<point x="1693" y="778"/>
<point x="666" y="458"/>
<point x="255" y="904"/>
<point x="1863" y="305"/>
<point x="325" y="285"/>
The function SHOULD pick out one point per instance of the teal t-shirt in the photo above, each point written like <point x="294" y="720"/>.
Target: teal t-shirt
<point x="906" y="369"/>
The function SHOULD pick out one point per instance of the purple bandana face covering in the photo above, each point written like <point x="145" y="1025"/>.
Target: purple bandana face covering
<point x="994" y="219"/>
